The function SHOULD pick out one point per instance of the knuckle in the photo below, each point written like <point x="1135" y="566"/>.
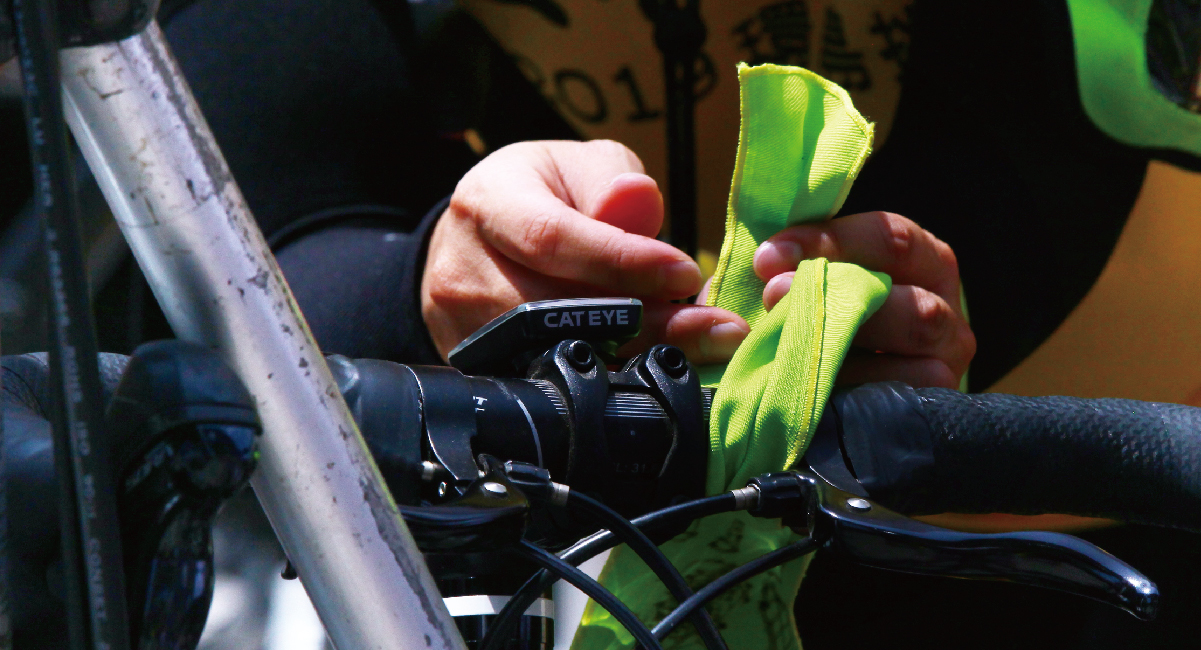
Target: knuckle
<point x="896" y="234"/>
<point x="463" y="203"/>
<point x="515" y="149"/>
<point x="469" y="198"/>
<point x="484" y="181"/>
<point x="617" y="151"/>
<point x="931" y="318"/>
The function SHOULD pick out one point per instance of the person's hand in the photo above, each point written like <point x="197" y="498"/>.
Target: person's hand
<point x="919" y="336"/>
<point x="545" y="220"/>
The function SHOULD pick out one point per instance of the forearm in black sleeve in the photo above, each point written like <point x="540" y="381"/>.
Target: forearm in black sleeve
<point x="358" y="281"/>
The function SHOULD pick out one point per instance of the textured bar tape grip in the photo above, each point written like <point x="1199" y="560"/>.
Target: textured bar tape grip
<point x="1123" y="459"/>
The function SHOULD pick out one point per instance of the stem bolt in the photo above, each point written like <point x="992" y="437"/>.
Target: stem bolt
<point x="579" y="355"/>
<point x="672" y="360"/>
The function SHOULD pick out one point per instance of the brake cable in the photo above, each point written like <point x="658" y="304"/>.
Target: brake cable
<point x="594" y="590"/>
<point x="510" y="615"/>
<point x="782" y="555"/>
<point x="91" y="544"/>
<point x="653" y="557"/>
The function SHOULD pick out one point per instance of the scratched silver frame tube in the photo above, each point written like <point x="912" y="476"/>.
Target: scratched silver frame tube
<point x="218" y="283"/>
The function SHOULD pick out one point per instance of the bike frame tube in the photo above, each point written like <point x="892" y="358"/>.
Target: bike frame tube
<point x="218" y="283"/>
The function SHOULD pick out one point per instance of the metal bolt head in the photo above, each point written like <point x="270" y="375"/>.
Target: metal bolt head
<point x="672" y="360"/>
<point x="579" y="355"/>
<point x="858" y="504"/>
<point x="492" y="488"/>
<point x="443" y="488"/>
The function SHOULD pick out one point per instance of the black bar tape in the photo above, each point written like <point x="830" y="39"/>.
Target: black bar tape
<point x="1123" y="459"/>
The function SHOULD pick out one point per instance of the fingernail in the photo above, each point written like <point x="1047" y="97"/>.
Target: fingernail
<point x="779" y="284"/>
<point x="723" y="339"/>
<point x="681" y="278"/>
<point x="782" y="282"/>
<point x="778" y="255"/>
<point x="625" y="176"/>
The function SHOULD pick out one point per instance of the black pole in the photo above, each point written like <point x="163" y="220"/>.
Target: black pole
<point x="91" y="544"/>
<point x="679" y="35"/>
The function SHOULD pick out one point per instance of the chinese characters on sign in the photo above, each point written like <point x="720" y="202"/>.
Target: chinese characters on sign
<point x="783" y="33"/>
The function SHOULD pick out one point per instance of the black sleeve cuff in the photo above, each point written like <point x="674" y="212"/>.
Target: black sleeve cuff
<point x="357" y="279"/>
<point x="421" y="345"/>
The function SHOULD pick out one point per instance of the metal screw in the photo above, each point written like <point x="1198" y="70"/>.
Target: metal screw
<point x="858" y="504"/>
<point x="442" y="488"/>
<point x="672" y="360"/>
<point x="579" y="355"/>
<point x="495" y="489"/>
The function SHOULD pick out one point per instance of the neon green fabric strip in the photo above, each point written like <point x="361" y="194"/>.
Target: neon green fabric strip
<point x="801" y="145"/>
<point x="772" y="392"/>
<point x="1115" y="86"/>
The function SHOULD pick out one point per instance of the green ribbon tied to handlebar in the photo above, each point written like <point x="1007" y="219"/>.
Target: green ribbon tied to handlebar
<point x="801" y="145"/>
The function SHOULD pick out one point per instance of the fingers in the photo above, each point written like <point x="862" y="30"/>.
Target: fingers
<point x="465" y="285"/>
<point x="522" y="202"/>
<point x="917" y="323"/>
<point x="879" y="241"/>
<point x="919" y="334"/>
<point x="776" y="289"/>
<point x="705" y="334"/>
<point x="556" y="241"/>
<point x="543" y="220"/>
<point x="924" y="372"/>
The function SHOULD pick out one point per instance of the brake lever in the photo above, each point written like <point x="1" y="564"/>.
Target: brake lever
<point x="872" y="535"/>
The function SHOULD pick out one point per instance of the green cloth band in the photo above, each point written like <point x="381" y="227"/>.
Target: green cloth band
<point x="1115" y="86"/>
<point x="801" y="145"/>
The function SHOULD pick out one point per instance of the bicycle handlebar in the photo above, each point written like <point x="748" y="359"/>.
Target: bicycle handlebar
<point x="912" y="450"/>
<point x="916" y="451"/>
<point x="931" y="450"/>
